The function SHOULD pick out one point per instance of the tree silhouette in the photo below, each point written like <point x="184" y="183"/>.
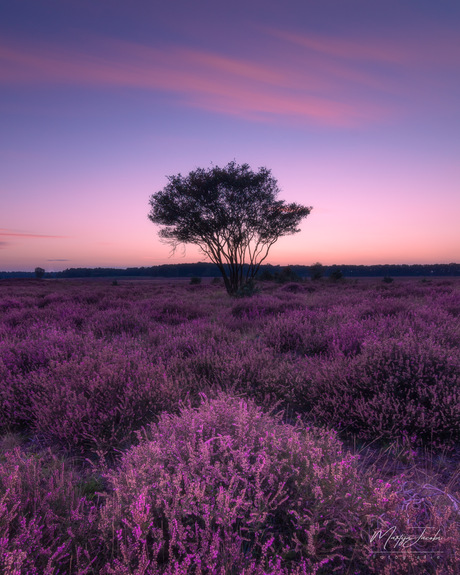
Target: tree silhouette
<point x="230" y="213"/>
<point x="39" y="273"/>
<point x="317" y="271"/>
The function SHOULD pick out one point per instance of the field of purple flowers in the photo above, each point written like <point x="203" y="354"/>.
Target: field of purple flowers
<point x="158" y="427"/>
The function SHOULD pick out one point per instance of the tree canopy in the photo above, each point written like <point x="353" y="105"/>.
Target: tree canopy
<point x="232" y="214"/>
<point x="39" y="273"/>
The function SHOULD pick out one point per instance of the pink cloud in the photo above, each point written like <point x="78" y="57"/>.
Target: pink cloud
<point x="12" y="234"/>
<point x="358" y="50"/>
<point x="287" y="88"/>
<point x="433" y="48"/>
<point x="267" y="107"/>
<point x="125" y="64"/>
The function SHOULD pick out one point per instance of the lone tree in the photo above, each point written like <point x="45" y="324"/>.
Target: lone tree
<point x="39" y="273"/>
<point x="317" y="271"/>
<point x="230" y="213"/>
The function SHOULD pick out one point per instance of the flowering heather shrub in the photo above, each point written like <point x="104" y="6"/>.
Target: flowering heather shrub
<point x="15" y="402"/>
<point x="170" y="311"/>
<point x="52" y="299"/>
<point x="437" y="322"/>
<point x="41" y="347"/>
<point x="301" y="331"/>
<point x="250" y="370"/>
<point x="393" y="388"/>
<point x="98" y="401"/>
<point x="382" y="306"/>
<point x="94" y="399"/>
<point x="347" y="337"/>
<point x="175" y="312"/>
<point x="46" y="526"/>
<point x="19" y="320"/>
<point x="263" y="305"/>
<point x="226" y="486"/>
<point x="451" y="303"/>
<point x="18" y="359"/>
<point x="114" y="322"/>
<point x="8" y="303"/>
<point x="324" y="332"/>
<point x="420" y="510"/>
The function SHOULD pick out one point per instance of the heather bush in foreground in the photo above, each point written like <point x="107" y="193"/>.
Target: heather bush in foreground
<point x="225" y="486"/>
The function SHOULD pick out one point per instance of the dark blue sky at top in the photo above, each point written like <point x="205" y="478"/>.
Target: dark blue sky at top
<point x="210" y="22"/>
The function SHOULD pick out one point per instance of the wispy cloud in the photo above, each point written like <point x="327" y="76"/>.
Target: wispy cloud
<point x="14" y="234"/>
<point x="59" y="260"/>
<point x="438" y="47"/>
<point x="344" y="49"/>
<point x="254" y="89"/>
<point x="120" y="63"/>
<point x="307" y="77"/>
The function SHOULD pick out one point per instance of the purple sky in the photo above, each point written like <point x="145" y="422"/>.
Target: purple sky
<point x="353" y="105"/>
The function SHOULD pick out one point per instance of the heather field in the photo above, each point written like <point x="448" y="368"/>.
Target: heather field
<point x="157" y="427"/>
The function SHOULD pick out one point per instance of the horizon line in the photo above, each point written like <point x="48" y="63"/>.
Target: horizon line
<point x="213" y="264"/>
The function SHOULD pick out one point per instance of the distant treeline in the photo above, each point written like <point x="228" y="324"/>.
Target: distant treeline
<point x="205" y="269"/>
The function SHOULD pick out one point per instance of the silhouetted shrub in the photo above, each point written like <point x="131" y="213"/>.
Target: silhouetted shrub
<point x="316" y="271"/>
<point x="248" y="289"/>
<point x="287" y="274"/>
<point x="336" y="275"/>
<point x="195" y="281"/>
<point x="39" y="273"/>
<point x="266" y="276"/>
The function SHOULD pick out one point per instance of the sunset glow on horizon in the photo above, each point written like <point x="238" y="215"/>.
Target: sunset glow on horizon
<point x="353" y="106"/>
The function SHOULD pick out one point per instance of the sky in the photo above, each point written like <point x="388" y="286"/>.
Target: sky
<point x="352" y="104"/>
